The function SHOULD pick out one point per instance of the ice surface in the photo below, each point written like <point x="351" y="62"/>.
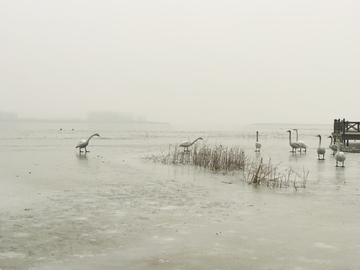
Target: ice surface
<point x="111" y="209"/>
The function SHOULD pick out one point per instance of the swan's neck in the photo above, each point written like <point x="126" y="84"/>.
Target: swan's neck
<point x="90" y="137"/>
<point x="319" y="141"/>
<point x="195" y="141"/>
<point x="257" y="137"/>
<point x="297" y="137"/>
<point x="290" y="137"/>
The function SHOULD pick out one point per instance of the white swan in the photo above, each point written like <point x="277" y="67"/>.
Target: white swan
<point x="300" y="143"/>
<point x="187" y="144"/>
<point x="339" y="156"/>
<point x="320" y="150"/>
<point x="83" y="143"/>
<point x="293" y="145"/>
<point x="257" y="144"/>
<point x="333" y="146"/>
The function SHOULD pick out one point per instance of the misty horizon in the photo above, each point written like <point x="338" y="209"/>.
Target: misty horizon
<point x="128" y="118"/>
<point x="98" y="116"/>
<point x="191" y="64"/>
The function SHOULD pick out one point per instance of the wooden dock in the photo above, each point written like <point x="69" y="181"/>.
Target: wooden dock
<point x="346" y="131"/>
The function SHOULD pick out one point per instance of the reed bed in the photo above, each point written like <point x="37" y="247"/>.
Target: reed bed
<point x="266" y="174"/>
<point x="219" y="158"/>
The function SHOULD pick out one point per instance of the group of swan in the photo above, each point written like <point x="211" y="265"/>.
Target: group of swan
<point x="84" y="143"/>
<point x="339" y="156"/>
<point x="336" y="147"/>
<point x="297" y="144"/>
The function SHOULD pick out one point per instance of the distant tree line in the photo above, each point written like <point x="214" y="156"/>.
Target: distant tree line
<point x="114" y="117"/>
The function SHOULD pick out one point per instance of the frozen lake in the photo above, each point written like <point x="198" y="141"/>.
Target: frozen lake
<point x="112" y="209"/>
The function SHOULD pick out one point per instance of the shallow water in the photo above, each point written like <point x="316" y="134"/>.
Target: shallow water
<point x="112" y="209"/>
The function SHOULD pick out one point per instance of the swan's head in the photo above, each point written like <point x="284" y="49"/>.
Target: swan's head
<point x="96" y="134"/>
<point x="329" y="137"/>
<point x="288" y="131"/>
<point x="200" y="138"/>
<point x="295" y="129"/>
<point x="318" y="136"/>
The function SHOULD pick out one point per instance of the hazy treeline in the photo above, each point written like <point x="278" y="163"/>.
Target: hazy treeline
<point x="108" y="116"/>
<point x="102" y="116"/>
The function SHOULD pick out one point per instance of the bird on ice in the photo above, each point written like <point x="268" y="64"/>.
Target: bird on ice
<point x="339" y="156"/>
<point x="320" y="150"/>
<point x="300" y="143"/>
<point x="257" y="143"/>
<point x="84" y="143"/>
<point x="293" y="145"/>
<point x="187" y="144"/>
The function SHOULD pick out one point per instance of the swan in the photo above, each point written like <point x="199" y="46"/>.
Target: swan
<point x="83" y="143"/>
<point x="300" y="143"/>
<point x="187" y="144"/>
<point x="333" y="146"/>
<point x="339" y="156"/>
<point x="320" y="150"/>
<point x="293" y="145"/>
<point x="257" y="144"/>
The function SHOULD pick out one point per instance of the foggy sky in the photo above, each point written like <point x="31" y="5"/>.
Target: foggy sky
<point x="198" y="62"/>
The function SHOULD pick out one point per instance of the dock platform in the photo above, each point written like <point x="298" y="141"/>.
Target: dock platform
<point x="346" y="131"/>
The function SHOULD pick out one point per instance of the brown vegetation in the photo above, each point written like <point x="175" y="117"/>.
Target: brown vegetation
<point x="219" y="158"/>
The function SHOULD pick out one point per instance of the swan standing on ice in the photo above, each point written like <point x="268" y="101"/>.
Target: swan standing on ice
<point x="320" y="150"/>
<point x="339" y="156"/>
<point x="257" y="144"/>
<point x="300" y="143"/>
<point x="333" y="146"/>
<point x="83" y="143"/>
<point x="187" y="144"/>
<point x="293" y="145"/>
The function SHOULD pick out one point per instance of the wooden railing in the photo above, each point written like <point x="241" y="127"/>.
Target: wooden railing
<point x="342" y="126"/>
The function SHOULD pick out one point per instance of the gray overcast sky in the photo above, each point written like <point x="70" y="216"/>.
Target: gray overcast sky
<point x="198" y="62"/>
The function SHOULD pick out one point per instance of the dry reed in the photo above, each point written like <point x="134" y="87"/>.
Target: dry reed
<point x="266" y="174"/>
<point x="216" y="158"/>
<point x="219" y="158"/>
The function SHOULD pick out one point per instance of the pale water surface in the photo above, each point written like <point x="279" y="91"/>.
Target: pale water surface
<point x="112" y="209"/>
